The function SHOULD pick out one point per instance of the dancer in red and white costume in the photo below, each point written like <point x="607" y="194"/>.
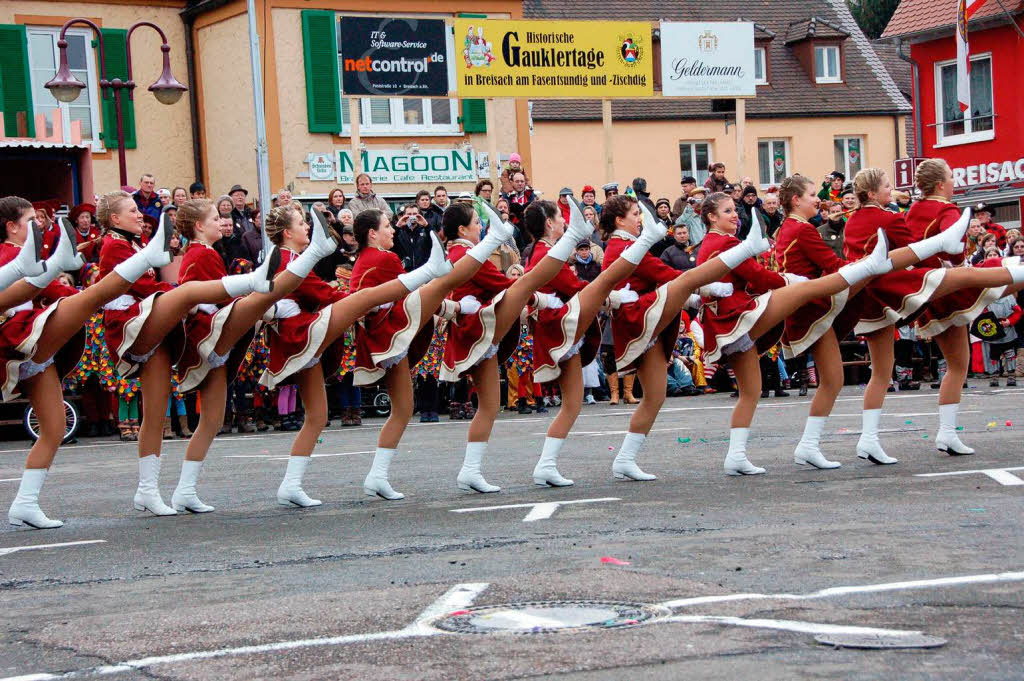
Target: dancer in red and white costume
<point x="899" y="295"/>
<point x="311" y="320"/>
<point x="384" y="338"/>
<point x="474" y="338"/>
<point x="144" y="326"/>
<point x="44" y="333"/>
<point x="761" y="301"/>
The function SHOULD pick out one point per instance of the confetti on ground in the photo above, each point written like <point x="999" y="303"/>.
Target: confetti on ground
<point x="703" y="439"/>
<point x="1009" y="424"/>
<point x="909" y="422"/>
<point x="682" y="440"/>
<point x="611" y="449"/>
<point x="991" y="424"/>
<point x="977" y="510"/>
<point x="844" y="430"/>
<point x="924" y="437"/>
<point x="319" y="440"/>
<point x="613" y="561"/>
<point x="959" y="427"/>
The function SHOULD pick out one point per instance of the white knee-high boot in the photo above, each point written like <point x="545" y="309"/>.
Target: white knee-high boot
<point x="147" y="496"/>
<point x="868" y="447"/>
<point x="736" y="462"/>
<point x="376" y="483"/>
<point x="470" y="477"/>
<point x="624" y="466"/>
<point x="807" y="451"/>
<point x="545" y="473"/>
<point x="947" y="439"/>
<point x="25" y="509"/>
<point x="185" y="497"/>
<point x="290" y="493"/>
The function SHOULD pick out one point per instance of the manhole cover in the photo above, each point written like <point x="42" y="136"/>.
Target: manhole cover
<point x="545" y="617"/>
<point x="877" y="641"/>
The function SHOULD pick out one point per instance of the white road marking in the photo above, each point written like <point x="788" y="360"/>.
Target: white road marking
<point x="538" y="511"/>
<point x="9" y="479"/>
<point x="591" y="433"/>
<point x="789" y="625"/>
<point x="278" y="457"/>
<point x="850" y="590"/>
<point x="16" y="549"/>
<point x="458" y="597"/>
<point x="1001" y="475"/>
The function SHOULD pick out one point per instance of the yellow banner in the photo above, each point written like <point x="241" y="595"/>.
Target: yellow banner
<point x="553" y="59"/>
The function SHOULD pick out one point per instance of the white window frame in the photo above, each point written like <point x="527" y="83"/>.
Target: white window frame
<point x="696" y="171"/>
<point x="95" y="106"/>
<point x="943" y="140"/>
<point x="827" y="78"/>
<point x="785" y="146"/>
<point x="761" y="57"/>
<point x="847" y="170"/>
<point x="398" y="127"/>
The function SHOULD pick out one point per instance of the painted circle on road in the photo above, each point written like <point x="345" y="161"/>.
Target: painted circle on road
<point x="546" y="617"/>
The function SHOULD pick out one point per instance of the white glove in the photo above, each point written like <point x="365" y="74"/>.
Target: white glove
<point x="381" y="308"/>
<point x="693" y="301"/>
<point x="283" y="309"/>
<point x="469" y="305"/>
<point x="623" y="296"/>
<point x="716" y="289"/>
<point x="547" y="301"/>
<point x="208" y="308"/>
<point x="794" y="278"/>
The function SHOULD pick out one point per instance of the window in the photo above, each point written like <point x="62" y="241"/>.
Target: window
<point x="826" y="64"/>
<point x="401" y="116"/>
<point x="694" y="159"/>
<point x="43" y="57"/>
<point x="760" y="66"/>
<point x="772" y="161"/>
<point x="951" y="124"/>
<point x="849" y="155"/>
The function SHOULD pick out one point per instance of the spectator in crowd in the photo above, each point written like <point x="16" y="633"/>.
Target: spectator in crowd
<point x="501" y="208"/>
<point x="746" y="207"/>
<point x="284" y="196"/>
<point x="688" y="183"/>
<point x="165" y="195"/>
<point x="436" y="206"/>
<point x="179" y="196"/>
<point x="425" y="205"/>
<point x="519" y="198"/>
<point x="197" y="190"/>
<point x="772" y="213"/>
<point x="365" y="199"/>
<point x="482" y="194"/>
<point x="146" y="198"/>
<point x="335" y="201"/>
<point x="639" y="186"/>
<point x="611" y="189"/>
<point x="747" y="182"/>
<point x="849" y="200"/>
<point x="239" y="211"/>
<point x="716" y="181"/>
<point x="661" y="217"/>
<point x="587" y="266"/>
<point x="589" y="197"/>
<point x="515" y="165"/>
<point x="735" y="191"/>
<point x="691" y="216"/>
<point x="832" y="187"/>
<point x="902" y="200"/>
<point x="412" y="238"/>
<point x="330" y="267"/>
<point x="563" y="202"/>
<point x="831" y="230"/>
<point x="87" y="231"/>
<point x="590" y="215"/>
<point x="1012" y="235"/>
<point x="987" y="243"/>
<point x="663" y="212"/>
<point x="680" y="255"/>
<point x="983" y="213"/>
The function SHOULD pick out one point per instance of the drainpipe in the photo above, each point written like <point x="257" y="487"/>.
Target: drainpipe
<point x="914" y="76"/>
<point x="193" y="100"/>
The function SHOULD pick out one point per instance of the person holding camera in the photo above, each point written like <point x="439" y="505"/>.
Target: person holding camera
<point x="690" y="216"/>
<point x="412" y="237"/>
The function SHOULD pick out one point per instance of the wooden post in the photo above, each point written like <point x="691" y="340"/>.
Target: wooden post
<point x="609" y="156"/>
<point x="492" y="143"/>
<point x="353" y="125"/>
<point x="741" y="124"/>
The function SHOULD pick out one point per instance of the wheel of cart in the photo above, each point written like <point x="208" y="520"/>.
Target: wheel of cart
<point x="31" y="422"/>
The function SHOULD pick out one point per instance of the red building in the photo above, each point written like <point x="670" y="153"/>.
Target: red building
<point x="986" y="147"/>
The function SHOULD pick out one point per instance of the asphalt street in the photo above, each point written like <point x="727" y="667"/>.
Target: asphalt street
<point x="735" y="576"/>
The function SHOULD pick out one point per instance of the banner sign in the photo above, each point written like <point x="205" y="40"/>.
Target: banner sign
<point x="393" y="57"/>
<point x="391" y="166"/>
<point x="707" y="59"/>
<point x="553" y="59"/>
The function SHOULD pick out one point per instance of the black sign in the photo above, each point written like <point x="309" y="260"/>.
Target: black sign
<point x="393" y="57"/>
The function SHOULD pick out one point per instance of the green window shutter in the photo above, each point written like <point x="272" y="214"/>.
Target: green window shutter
<point x="15" y="82"/>
<point x="323" y="91"/>
<point x="116" y="62"/>
<point x="474" y="115"/>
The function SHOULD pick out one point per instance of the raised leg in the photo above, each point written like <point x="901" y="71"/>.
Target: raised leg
<point x="519" y="294"/>
<point x="788" y="299"/>
<point x="972" y="277"/>
<point x="74" y="311"/>
<point x="17" y="293"/>
<point x="345" y="313"/>
<point x="171" y="307"/>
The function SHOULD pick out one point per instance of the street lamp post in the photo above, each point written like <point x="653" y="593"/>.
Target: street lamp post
<point x="66" y="88"/>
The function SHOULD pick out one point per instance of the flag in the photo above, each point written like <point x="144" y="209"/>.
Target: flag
<point x="965" y="10"/>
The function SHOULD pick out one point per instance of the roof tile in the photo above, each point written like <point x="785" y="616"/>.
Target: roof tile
<point x="918" y="16"/>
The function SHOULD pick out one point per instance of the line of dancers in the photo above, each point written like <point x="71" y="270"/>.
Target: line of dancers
<point x="897" y="268"/>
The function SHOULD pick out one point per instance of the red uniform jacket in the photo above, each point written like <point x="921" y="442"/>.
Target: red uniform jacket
<point x="749" y="279"/>
<point x="52" y="292"/>
<point x="374" y="267"/>
<point x="648" y="275"/>
<point x="313" y="293"/>
<point x="201" y="263"/>
<point x="930" y="217"/>
<point x="799" y="249"/>
<point x="485" y="284"/>
<point x="115" y="250"/>
<point x="565" y="284"/>
<point x="862" y="227"/>
<point x="93" y="239"/>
